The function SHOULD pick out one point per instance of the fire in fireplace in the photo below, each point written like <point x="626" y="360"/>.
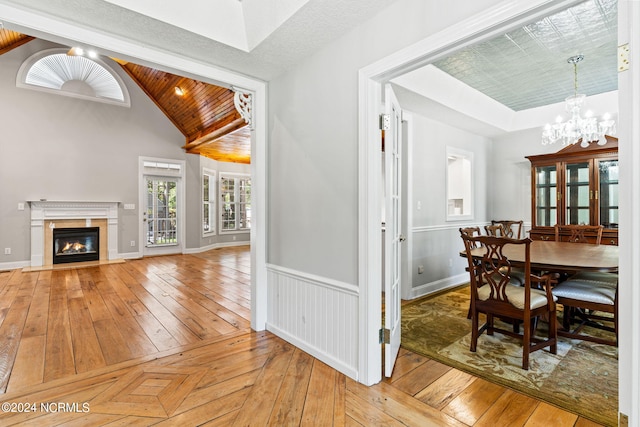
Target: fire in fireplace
<point x="76" y="244"/>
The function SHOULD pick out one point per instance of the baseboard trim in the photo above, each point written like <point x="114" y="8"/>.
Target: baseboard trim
<point x="336" y="364"/>
<point x="439" y="285"/>
<point x="215" y="246"/>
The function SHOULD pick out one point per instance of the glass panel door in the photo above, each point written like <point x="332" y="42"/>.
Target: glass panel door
<point x="161" y="212"/>
<point x="546" y="195"/>
<point x="577" y="193"/>
<point x="608" y="193"/>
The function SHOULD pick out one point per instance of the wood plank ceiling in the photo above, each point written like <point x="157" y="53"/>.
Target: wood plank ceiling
<point x="205" y="114"/>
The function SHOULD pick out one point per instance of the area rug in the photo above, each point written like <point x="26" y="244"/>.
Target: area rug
<point x="581" y="378"/>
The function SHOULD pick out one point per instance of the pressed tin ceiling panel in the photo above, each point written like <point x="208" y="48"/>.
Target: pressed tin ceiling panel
<point x="528" y="67"/>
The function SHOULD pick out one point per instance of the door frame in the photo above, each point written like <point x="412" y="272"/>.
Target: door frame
<point x="57" y="30"/>
<point x="371" y="79"/>
<point x="142" y="202"/>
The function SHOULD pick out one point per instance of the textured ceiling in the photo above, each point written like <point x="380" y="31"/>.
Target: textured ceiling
<point x="313" y="26"/>
<point x="528" y="67"/>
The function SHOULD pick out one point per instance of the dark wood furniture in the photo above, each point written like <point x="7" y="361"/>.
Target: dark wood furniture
<point x="512" y="229"/>
<point x="579" y="233"/>
<point x="494" y="294"/>
<point x="562" y="257"/>
<point x="575" y="186"/>
<point x="584" y="297"/>
<point x="495" y="230"/>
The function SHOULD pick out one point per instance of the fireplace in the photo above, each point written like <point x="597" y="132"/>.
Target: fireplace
<point x="47" y="216"/>
<point x="76" y="244"/>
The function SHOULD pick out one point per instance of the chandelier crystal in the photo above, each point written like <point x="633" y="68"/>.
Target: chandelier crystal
<point x="577" y="128"/>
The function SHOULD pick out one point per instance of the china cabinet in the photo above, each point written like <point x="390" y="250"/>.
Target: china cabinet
<point x="575" y="186"/>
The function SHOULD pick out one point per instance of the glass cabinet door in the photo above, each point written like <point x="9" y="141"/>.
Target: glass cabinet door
<point x="577" y="195"/>
<point x="608" y="193"/>
<point x="546" y="195"/>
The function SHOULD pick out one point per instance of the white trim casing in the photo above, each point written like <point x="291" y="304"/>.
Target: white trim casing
<point x="629" y="241"/>
<point x="483" y="26"/>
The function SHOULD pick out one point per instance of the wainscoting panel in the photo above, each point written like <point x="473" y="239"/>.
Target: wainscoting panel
<point x="317" y="314"/>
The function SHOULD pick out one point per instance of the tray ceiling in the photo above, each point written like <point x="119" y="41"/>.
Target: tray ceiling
<point x="527" y="67"/>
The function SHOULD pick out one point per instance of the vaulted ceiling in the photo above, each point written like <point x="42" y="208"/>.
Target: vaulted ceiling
<point x="204" y="113"/>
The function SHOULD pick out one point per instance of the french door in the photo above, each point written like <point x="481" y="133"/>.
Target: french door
<point x="393" y="235"/>
<point x="161" y="200"/>
<point x="161" y="212"/>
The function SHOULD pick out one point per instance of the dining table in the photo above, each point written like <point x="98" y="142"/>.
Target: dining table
<point x="561" y="257"/>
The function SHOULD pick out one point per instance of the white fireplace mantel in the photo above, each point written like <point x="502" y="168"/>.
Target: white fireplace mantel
<point x="44" y="210"/>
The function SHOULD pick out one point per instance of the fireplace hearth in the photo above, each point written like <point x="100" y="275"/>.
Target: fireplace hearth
<point x="76" y="244"/>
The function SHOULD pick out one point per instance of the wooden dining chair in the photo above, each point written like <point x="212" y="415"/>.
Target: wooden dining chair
<point x="495" y="230"/>
<point x="585" y="296"/>
<point x="498" y="229"/>
<point x="579" y="233"/>
<point x="510" y="228"/>
<point x="494" y="293"/>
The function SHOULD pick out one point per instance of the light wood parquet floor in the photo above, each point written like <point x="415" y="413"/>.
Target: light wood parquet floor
<point x="166" y="341"/>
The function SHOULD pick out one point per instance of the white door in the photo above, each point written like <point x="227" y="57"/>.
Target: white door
<point x="393" y="237"/>
<point x="160" y="216"/>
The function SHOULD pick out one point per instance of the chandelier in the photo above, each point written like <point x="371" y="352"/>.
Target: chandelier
<point x="577" y="128"/>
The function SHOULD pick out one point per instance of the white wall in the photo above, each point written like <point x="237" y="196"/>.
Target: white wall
<point x="313" y="174"/>
<point x="435" y="242"/>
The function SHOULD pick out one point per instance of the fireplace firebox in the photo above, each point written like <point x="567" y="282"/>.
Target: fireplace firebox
<point x="76" y="244"/>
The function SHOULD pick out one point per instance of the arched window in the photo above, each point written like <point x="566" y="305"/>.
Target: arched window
<point x="55" y="71"/>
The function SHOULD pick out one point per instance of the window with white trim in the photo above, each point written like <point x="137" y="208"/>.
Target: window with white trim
<point x="235" y="202"/>
<point x="208" y="202"/>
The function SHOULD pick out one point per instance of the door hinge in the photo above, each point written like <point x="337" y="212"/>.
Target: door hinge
<point x="384" y="336"/>
<point x="623" y="57"/>
<point x="385" y="122"/>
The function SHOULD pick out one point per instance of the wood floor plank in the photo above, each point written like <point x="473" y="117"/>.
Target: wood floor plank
<point x="420" y="377"/>
<point x="37" y="317"/>
<point x="213" y="411"/>
<point x="87" y="353"/>
<point x="259" y="404"/>
<point x="318" y="408"/>
<point x="367" y="414"/>
<point x="13" y="324"/>
<point x="474" y="401"/>
<point x="157" y="370"/>
<point x="446" y="388"/>
<point x="28" y="368"/>
<point x="97" y="308"/>
<point x="401" y="406"/>
<point x="511" y="409"/>
<point x="290" y="401"/>
<point x="546" y="415"/>
<point x="156" y="332"/>
<point x="113" y="343"/>
<point x="59" y="360"/>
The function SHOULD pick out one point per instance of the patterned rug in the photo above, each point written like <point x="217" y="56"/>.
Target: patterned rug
<point x="581" y="378"/>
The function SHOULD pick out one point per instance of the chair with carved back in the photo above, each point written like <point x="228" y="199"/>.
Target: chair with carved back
<point x="495" y="294"/>
<point x="499" y="230"/>
<point x="579" y="233"/>
<point x="471" y="232"/>
<point x="512" y="229"/>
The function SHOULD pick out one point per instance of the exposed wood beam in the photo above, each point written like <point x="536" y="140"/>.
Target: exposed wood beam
<point x="16" y="44"/>
<point x="234" y="125"/>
